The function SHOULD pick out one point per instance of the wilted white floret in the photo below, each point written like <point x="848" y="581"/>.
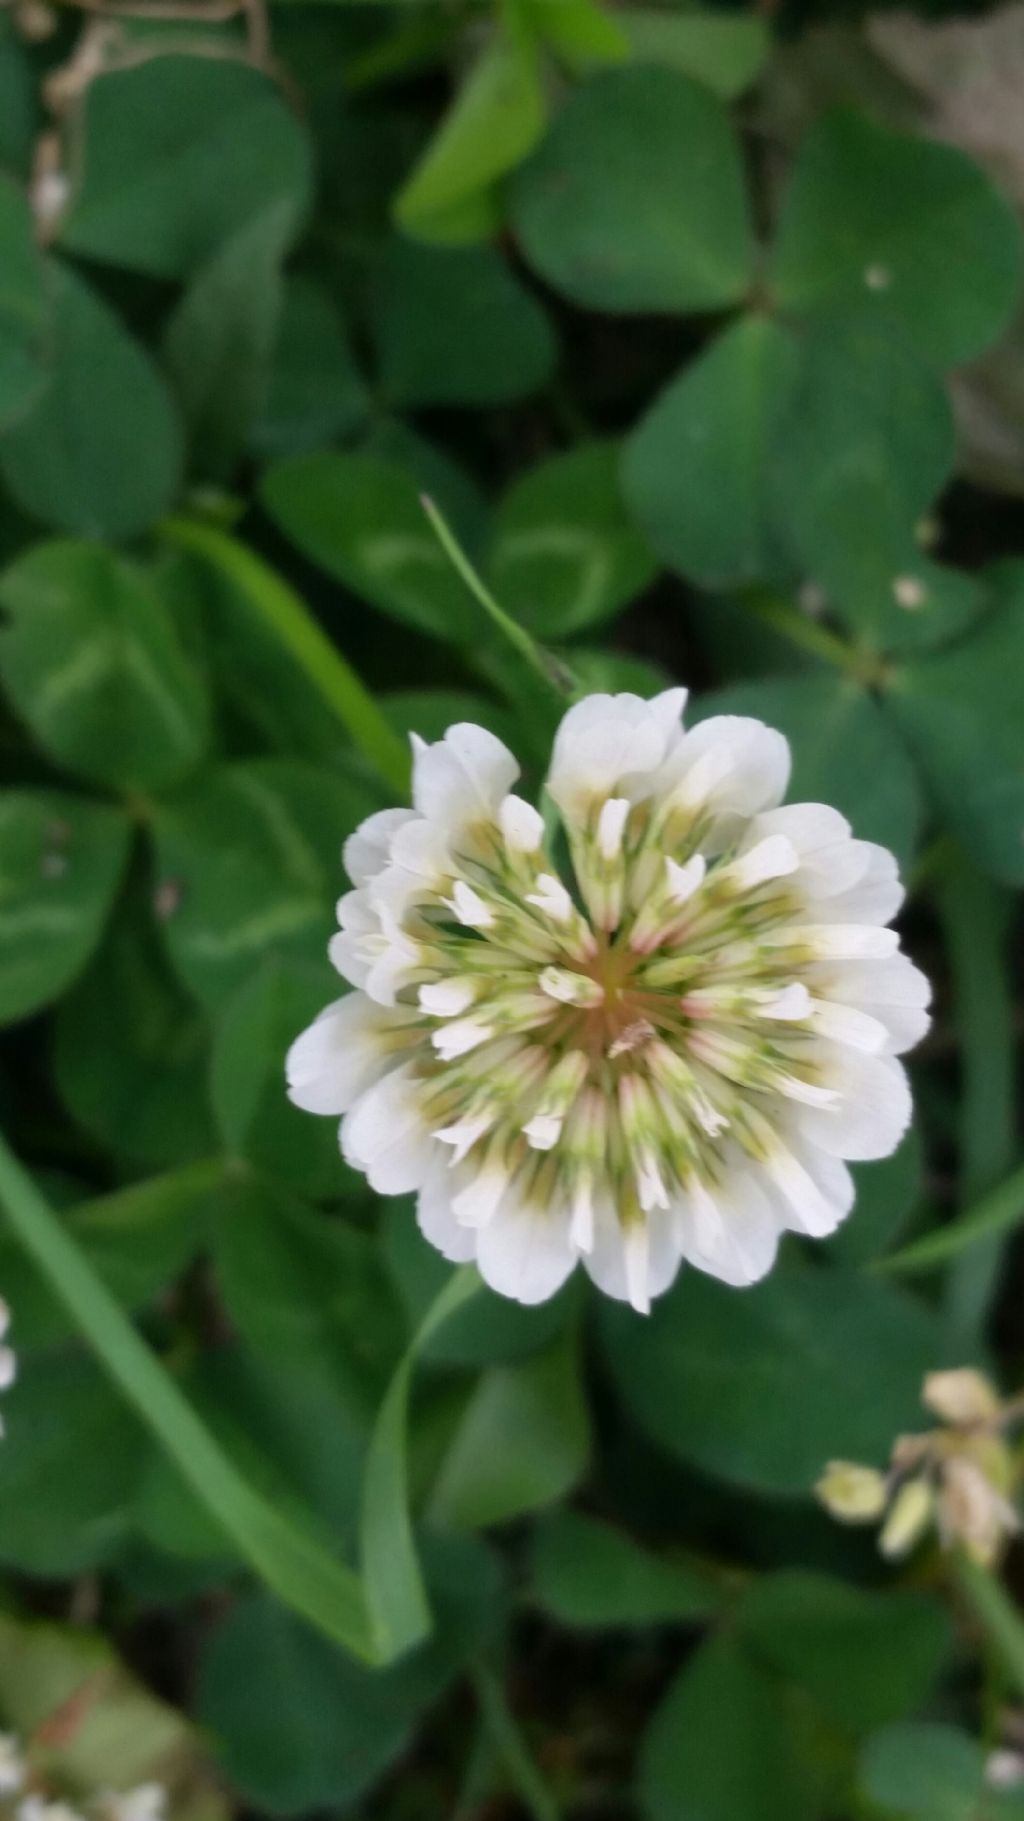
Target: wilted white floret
<point x="667" y="1052"/>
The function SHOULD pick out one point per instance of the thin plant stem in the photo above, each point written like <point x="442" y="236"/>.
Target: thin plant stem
<point x="995" y="1612"/>
<point x="552" y="672"/>
<point x="811" y="637"/>
<point x="510" y="1746"/>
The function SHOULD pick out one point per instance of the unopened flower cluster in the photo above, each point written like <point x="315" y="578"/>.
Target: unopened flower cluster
<point x="650" y="1026"/>
<point x="958" y="1479"/>
<point x="20" y="1788"/>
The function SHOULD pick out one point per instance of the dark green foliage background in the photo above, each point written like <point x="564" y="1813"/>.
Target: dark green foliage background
<point x="704" y="329"/>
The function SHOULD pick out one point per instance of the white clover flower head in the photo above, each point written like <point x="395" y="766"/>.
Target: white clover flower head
<point x="665" y="1049"/>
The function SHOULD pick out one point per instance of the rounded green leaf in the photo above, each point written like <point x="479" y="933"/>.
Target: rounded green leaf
<point x="267" y="1682"/>
<point x="697" y="465"/>
<point x="864" y="402"/>
<point x="360" y="518"/>
<point x="636" y="199"/>
<point x="61" y="860"/>
<point x="845" y="749"/>
<point x="864" y="1658"/>
<point x="136" y="1080"/>
<point x="25" y="309"/>
<point x="725" y="51"/>
<point x="588" y="1575"/>
<point x="315" y="392"/>
<point x="960" y="711"/>
<point x="100" y="451"/>
<point x="564" y="554"/>
<point x="218" y="342"/>
<point x="722" y="1746"/>
<point x="256" y="1120"/>
<point x="927" y="1772"/>
<point x="756" y="1388"/>
<point x="912" y="227"/>
<point x="308" y="1287"/>
<point x="91" y="659"/>
<point x="487" y="1475"/>
<point x="249" y="866"/>
<point x="495" y="119"/>
<point x="69" y="1466"/>
<point x="177" y="153"/>
<point x="454" y="326"/>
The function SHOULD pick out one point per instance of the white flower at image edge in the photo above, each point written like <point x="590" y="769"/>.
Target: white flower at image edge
<point x="664" y="1048"/>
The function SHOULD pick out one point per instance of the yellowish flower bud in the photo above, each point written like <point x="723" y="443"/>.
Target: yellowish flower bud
<point x="854" y="1494"/>
<point x="911" y="1513"/>
<point x="963" y="1396"/>
<point x="973" y="1512"/>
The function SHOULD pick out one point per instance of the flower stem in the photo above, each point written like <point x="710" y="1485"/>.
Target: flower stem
<point x="553" y="673"/>
<point x="996" y="1614"/>
<point x="809" y="636"/>
<point x="511" y="1747"/>
<point x="289" y="619"/>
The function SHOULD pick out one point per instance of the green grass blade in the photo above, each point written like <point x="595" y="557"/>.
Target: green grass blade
<point x="391" y="1572"/>
<point x="292" y="1564"/>
<point x="994" y="1214"/>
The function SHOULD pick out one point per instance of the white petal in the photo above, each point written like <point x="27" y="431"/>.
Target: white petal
<point x="894" y="981"/>
<point x="606" y="1260"/>
<point x="905" y="1024"/>
<point x="8" y="1368"/>
<point x="463" y="1135"/>
<point x="367" y="850"/>
<point x="463" y="777"/>
<point x="606" y="743"/>
<point x="759" y="762"/>
<point x="771" y="858"/>
<point x="551" y="898"/>
<point x="845" y="1024"/>
<point x="837" y="941"/>
<point x="791" y="1004"/>
<point x="809" y="826"/>
<point x="385" y="1136"/>
<point x="447" y="998"/>
<point x="436" y="1218"/>
<point x="478" y="1201"/>
<point x="525" y="1252"/>
<point x="731" y="1230"/>
<point x="813" y="1192"/>
<point x="873" y="1111"/>
<point x="339" y="1055"/>
<point x="469" y="907"/>
<point x="461" y="1036"/>
<point x="683" y="881"/>
<point x="522" y="826"/>
<point x="877" y="894"/>
<point x="611" y="825"/>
